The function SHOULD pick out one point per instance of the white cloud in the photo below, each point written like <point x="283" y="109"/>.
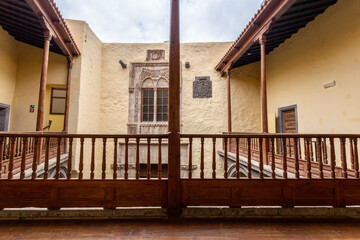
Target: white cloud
<point x="148" y="20"/>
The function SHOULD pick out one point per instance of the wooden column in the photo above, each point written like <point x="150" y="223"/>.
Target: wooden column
<point x="174" y="203"/>
<point x="43" y="80"/>
<point x="264" y="121"/>
<point x="229" y="99"/>
<point x="66" y="117"/>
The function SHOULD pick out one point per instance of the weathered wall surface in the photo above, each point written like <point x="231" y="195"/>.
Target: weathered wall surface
<point x="85" y="99"/>
<point x="245" y="98"/>
<point x="326" y="50"/>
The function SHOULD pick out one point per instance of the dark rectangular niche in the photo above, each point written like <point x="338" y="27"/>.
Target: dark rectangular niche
<point x="202" y="87"/>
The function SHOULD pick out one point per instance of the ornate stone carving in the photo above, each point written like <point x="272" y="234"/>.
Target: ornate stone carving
<point x="202" y="87"/>
<point x="132" y="128"/>
<point x="155" y="55"/>
<point x="154" y="74"/>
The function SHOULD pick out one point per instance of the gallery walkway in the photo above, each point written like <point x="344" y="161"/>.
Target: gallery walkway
<point x="191" y="229"/>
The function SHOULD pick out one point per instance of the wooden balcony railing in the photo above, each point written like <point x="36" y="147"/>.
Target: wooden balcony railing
<point x="273" y="169"/>
<point x="112" y="171"/>
<point x="18" y="154"/>
<point x="306" y="156"/>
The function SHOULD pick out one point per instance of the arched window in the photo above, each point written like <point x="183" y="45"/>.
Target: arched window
<point x="162" y="101"/>
<point x="147" y="92"/>
<point x="154" y="94"/>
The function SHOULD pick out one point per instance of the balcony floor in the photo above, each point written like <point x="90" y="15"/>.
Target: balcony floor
<point x="186" y="229"/>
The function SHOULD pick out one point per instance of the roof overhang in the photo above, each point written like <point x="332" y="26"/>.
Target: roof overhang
<point x="278" y="20"/>
<point x="28" y="20"/>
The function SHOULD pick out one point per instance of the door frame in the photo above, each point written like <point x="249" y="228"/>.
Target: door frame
<point x="7" y="115"/>
<point x="280" y="116"/>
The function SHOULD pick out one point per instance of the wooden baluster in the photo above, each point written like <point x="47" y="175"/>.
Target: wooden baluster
<point x="137" y="158"/>
<point x="81" y="163"/>
<point x="325" y="152"/>
<point x="103" y="175"/>
<point x="343" y="157"/>
<point x="58" y="154"/>
<point x="319" y="157"/>
<point x="351" y="153"/>
<point x="214" y="159"/>
<point x="202" y="159"/>
<point x="289" y="147"/>
<point x="126" y="175"/>
<point x="299" y="149"/>
<point x="356" y="158"/>
<point x="34" y="164"/>
<point x="29" y="145"/>
<point x="148" y="165"/>
<point x="4" y="150"/>
<point x="21" y="146"/>
<point x="332" y="158"/>
<point x="225" y="157"/>
<point x="261" y="162"/>
<point x="273" y="158"/>
<point x="46" y="167"/>
<point x="70" y="158"/>
<point x="12" y="156"/>
<point x="190" y="157"/>
<point x="92" y="164"/>
<point x="297" y="173"/>
<point x="249" y="157"/>
<point x="115" y="167"/>
<point x="311" y="151"/>
<point x="1" y="154"/>
<point x="237" y="159"/>
<point x="308" y="158"/>
<point x="23" y="158"/>
<point x="17" y="147"/>
<point x="160" y="162"/>
<point x="284" y="159"/>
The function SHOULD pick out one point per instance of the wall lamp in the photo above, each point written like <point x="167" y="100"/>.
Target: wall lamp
<point x="123" y="65"/>
<point x="187" y="65"/>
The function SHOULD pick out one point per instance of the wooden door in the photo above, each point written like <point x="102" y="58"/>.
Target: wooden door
<point x="288" y="124"/>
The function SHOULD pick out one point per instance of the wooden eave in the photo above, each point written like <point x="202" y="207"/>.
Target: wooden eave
<point x="27" y="20"/>
<point x="278" y="20"/>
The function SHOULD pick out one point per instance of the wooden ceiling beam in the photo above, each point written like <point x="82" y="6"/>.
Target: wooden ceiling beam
<point x="34" y="24"/>
<point x="10" y="23"/>
<point x="13" y="5"/>
<point x="17" y="14"/>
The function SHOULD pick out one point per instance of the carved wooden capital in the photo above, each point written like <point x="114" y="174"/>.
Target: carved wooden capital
<point x="47" y="36"/>
<point x="262" y="40"/>
<point x="70" y="64"/>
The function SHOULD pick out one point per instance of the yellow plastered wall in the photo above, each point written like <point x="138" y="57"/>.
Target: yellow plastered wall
<point x="28" y="84"/>
<point x="20" y="69"/>
<point x="57" y="124"/>
<point x="326" y="50"/>
<point x="8" y="67"/>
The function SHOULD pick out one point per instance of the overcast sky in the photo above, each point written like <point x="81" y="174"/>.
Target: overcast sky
<point x="148" y="20"/>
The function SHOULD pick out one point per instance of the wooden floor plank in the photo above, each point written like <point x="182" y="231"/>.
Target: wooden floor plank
<point x="186" y="229"/>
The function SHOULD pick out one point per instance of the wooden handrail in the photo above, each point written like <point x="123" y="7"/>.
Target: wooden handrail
<point x="269" y="135"/>
<point x="65" y="135"/>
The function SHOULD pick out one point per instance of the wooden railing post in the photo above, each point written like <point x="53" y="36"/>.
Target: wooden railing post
<point x="174" y="184"/>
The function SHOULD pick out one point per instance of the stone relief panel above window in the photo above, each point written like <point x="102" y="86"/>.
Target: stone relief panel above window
<point x="155" y="55"/>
